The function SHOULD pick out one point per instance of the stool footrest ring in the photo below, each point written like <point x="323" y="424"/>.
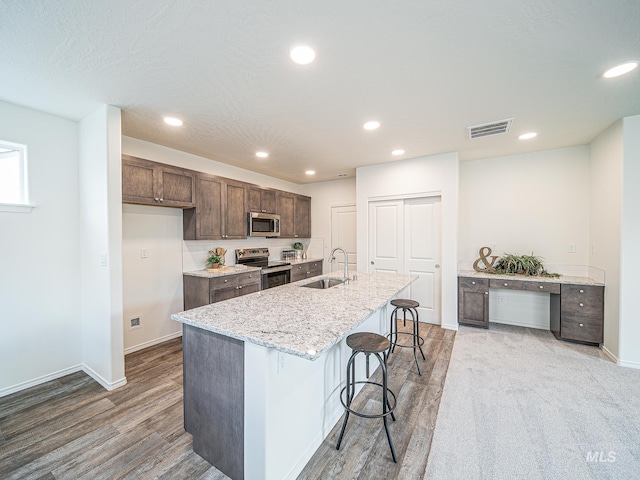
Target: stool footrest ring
<point x="395" y="344"/>
<point x="391" y="407"/>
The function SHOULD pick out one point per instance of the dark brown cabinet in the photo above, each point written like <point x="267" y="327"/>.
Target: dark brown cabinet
<point x="576" y="310"/>
<point x="199" y="291"/>
<point x="220" y="210"/>
<point x="302" y="217"/>
<point x="150" y="183"/>
<point x="577" y="314"/>
<point x="473" y="301"/>
<point x="301" y="271"/>
<point x="262" y="200"/>
<point x="295" y="215"/>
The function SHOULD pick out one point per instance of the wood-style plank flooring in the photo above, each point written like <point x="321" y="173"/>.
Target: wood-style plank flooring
<point x="71" y="428"/>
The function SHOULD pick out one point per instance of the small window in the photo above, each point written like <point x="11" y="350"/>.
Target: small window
<point x="13" y="174"/>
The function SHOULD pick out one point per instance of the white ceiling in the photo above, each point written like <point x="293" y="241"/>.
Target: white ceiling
<point x="425" y="69"/>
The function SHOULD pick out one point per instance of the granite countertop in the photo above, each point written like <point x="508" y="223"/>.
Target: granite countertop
<point x="220" y="272"/>
<point x="567" y="279"/>
<point x="303" y="260"/>
<point x="300" y="321"/>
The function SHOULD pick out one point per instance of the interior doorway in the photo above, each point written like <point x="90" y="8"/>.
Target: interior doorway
<point x="344" y="234"/>
<point x="405" y="237"/>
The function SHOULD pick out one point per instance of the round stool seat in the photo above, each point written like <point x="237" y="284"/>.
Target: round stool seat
<point x="367" y="342"/>
<point x="404" y="303"/>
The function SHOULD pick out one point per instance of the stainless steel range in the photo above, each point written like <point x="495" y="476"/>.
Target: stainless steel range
<point x="274" y="273"/>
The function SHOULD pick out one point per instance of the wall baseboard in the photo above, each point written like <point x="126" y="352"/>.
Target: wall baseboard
<point x="153" y="342"/>
<point x="102" y="381"/>
<point x="37" y="381"/>
<point x="624" y="363"/>
<point x="608" y="353"/>
<point x="446" y="326"/>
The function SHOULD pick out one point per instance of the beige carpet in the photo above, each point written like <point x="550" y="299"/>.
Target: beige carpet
<point x="517" y="403"/>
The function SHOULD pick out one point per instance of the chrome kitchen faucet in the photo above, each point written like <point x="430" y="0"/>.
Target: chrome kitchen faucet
<point x="346" y="262"/>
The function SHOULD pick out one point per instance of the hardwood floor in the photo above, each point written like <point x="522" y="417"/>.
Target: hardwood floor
<point x="71" y="428"/>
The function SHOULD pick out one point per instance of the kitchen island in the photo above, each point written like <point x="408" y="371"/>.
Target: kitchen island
<point x="263" y="372"/>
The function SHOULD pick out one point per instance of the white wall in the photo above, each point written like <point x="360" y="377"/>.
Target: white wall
<point x="39" y="263"/>
<point x="605" y="215"/>
<point x="101" y="246"/>
<point x="630" y="244"/>
<point x="324" y="196"/>
<point x="535" y="202"/>
<point x="433" y="175"/>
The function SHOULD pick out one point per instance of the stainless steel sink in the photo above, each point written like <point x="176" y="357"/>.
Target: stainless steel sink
<point x="324" y="283"/>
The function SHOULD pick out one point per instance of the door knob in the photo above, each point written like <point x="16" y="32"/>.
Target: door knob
<point x="437" y="265"/>
<point x="371" y="262"/>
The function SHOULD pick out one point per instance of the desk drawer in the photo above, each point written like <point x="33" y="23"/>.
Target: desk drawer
<point x="582" y="300"/>
<point x="248" y="278"/>
<point x="544" y="287"/>
<point x="222" y="282"/>
<point x="473" y="284"/>
<point x="503" y="283"/>
<point x="581" y="331"/>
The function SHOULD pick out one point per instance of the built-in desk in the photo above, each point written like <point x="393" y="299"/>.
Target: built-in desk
<point x="576" y="303"/>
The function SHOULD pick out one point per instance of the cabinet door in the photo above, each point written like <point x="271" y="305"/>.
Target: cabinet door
<point x="302" y="217"/>
<point x="261" y="200"/>
<point x="235" y="209"/>
<point x="473" y="302"/>
<point x="285" y="210"/>
<point x="137" y="181"/>
<point x="314" y="269"/>
<point x="175" y="187"/>
<point x="298" y="272"/>
<point x="208" y="211"/>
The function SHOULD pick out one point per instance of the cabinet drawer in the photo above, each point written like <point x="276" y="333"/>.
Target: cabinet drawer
<point x="581" y="331"/>
<point x="502" y="283"/>
<point x="473" y="284"/>
<point x="544" y="287"/>
<point x="248" y="278"/>
<point x="582" y="300"/>
<point x="314" y="269"/>
<point x="223" y="282"/>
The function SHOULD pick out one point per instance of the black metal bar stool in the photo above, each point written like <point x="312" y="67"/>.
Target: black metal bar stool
<point x="410" y="306"/>
<point x="368" y="343"/>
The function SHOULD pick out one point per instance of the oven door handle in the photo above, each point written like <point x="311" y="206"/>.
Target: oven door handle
<point x="284" y="268"/>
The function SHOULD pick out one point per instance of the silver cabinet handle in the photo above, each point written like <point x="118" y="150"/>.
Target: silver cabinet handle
<point x="581" y="291"/>
<point x="225" y="280"/>
<point x="473" y="283"/>
<point x="486" y="293"/>
<point x="506" y="284"/>
<point x="581" y="324"/>
<point x="582" y="304"/>
<point x="156" y="199"/>
<point x="541" y="286"/>
<point x="161" y="200"/>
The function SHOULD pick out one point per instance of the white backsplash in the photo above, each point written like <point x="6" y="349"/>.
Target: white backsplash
<point x="195" y="252"/>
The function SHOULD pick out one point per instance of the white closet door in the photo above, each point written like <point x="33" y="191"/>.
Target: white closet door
<point x="344" y="234"/>
<point x="385" y="236"/>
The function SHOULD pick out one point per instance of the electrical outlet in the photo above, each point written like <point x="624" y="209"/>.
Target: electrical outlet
<point x="281" y="361"/>
<point x="135" y="323"/>
<point x="572" y="248"/>
<point x="501" y="299"/>
<point x="144" y="253"/>
<point x="103" y="259"/>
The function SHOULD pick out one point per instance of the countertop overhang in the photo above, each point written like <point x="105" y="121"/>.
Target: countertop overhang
<point x="567" y="279"/>
<point x="296" y="320"/>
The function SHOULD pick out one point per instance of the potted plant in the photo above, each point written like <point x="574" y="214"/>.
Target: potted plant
<point x="214" y="259"/>
<point x="298" y="247"/>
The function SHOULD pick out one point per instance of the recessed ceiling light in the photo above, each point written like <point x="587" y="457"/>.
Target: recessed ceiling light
<point x="302" y="54"/>
<point x="372" y="125"/>
<point x="620" y="70"/>
<point x="310" y="172"/>
<point x="262" y="154"/>
<point x="398" y="151"/>
<point x="527" y="136"/>
<point x="174" y="122"/>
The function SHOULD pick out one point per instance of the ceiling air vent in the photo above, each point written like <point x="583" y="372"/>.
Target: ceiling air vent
<point x="488" y="129"/>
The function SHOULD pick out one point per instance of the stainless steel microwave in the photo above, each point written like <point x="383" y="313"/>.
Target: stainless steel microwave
<point x="263" y="224"/>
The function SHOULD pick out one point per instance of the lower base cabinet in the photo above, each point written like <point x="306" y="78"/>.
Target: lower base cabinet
<point x="305" y="270"/>
<point x="473" y="302"/>
<point x="199" y="291"/>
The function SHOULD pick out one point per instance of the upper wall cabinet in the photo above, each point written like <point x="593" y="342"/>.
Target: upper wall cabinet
<point x="220" y="210"/>
<point x="150" y="183"/>
<point x="262" y="200"/>
<point x="295" y="215"/>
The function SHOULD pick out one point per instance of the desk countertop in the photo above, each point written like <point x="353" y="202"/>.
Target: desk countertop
<point x="566" y="279"/>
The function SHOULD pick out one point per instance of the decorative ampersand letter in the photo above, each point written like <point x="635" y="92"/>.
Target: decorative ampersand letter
<point x="486" y="258"/>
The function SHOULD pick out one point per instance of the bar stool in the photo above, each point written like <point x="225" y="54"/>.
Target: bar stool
<point x="368" y="343"/>
<point x="410" y="306"/>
